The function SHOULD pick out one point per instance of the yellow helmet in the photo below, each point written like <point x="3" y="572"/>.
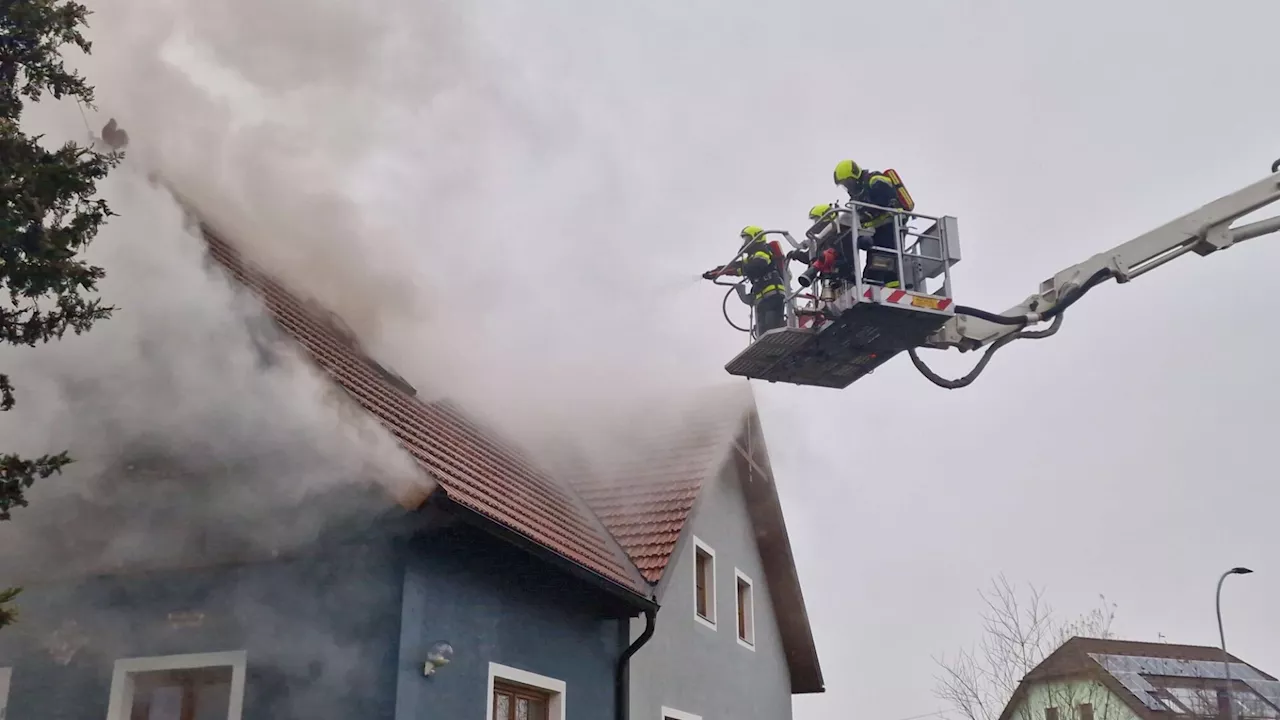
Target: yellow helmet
<point x="751" y="233"/>
<point x="817" y="211"/>
<point x="845" y="171"/>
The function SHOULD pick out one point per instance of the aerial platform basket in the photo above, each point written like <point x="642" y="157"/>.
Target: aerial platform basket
<point x="872" y="331"/>
<point x="865" y="324"/>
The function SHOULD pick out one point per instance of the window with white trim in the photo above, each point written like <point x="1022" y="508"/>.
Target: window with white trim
<point x="516" y="694"/>
<point x="671" y="714"/>
<point x="5" y="675"/>
<point x="704" y="583"/>
<point x="746" y="609"/>
<point x="202" y="686"/>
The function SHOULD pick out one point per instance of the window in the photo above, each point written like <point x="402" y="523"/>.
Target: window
<point x="516" y="694"/>
<point x="5" y="673"/>
<point x="1051" y="713"/>
<point x="746" y="611"/>
<point x="1086" y="711"/>
<point x="669" y="714"/>
<point x="514" y="702"/>
<point x="207" y="686"/>
<point x="704" y="583"/>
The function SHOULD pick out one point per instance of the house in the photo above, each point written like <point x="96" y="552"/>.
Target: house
<point x="486" y="585"/>
<point x="696" y="508"/>
<point x="1105" y="679"/>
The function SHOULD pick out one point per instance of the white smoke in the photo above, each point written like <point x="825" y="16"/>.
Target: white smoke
<point x="459" y="209"/>
<point x="187" y="374"/>
<point x="495" y="232"/>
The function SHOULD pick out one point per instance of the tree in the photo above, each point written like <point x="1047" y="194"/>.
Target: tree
<point x="1018" y="633"/>
<point x="48" y="214"/>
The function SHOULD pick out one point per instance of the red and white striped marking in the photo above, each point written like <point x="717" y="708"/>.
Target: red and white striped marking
<point x="911" y="300"/>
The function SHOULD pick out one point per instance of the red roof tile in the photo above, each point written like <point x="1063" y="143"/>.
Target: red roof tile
<point x="645" y="497"/>
<point x="472" y="468"/>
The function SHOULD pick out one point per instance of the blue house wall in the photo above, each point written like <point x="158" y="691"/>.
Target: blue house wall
<point x="495" y="603"/>
<point x="341" y="632"/>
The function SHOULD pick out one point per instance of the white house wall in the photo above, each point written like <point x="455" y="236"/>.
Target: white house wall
<point x="689" y="667"/>
<point x="1067" y="696"/>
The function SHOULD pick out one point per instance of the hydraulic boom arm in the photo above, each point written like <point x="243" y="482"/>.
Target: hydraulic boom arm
<point x="1203" y="231"/>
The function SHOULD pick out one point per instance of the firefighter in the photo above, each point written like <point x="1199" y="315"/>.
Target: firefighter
<point x="834" y="256"/>
<point x="875" y="188"/>
<point x="762" y="264"/>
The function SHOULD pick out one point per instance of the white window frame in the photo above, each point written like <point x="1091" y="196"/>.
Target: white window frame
<point x="673" y="714"/>
<point x="6" y="678"/>
<point x="749" y="644"/>
<point x="118" y="707"/>
<point x="555" y="706"/>
<point x="711" y="594"/>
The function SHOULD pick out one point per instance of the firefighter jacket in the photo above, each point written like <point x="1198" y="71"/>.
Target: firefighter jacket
<point x="877" y="189"/>
<point x="761" y="263"/>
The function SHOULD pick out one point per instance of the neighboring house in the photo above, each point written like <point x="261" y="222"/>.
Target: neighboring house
<point x="1097" y="679"/>
<point x="497" y="560"/>
<point x="698" y="512"/>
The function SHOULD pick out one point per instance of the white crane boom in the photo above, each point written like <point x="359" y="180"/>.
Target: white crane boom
<point x="1203" y="231"/>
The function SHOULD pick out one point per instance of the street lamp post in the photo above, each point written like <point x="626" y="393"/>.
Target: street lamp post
<point x="1226" y="659"/>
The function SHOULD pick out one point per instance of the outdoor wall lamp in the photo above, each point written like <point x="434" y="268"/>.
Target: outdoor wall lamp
<point x="440" y="655"/>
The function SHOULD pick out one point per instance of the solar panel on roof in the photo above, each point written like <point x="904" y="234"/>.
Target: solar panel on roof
<point x="1129" y="670"/>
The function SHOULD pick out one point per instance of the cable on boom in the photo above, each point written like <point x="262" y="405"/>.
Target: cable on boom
<point x="972" y="375"/>
<point x="1054" y="313"/>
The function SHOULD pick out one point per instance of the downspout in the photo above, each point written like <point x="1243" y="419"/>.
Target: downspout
<point x="621" y="689"/>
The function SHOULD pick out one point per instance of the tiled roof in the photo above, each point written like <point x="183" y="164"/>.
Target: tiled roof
<point x="645" y="496"/>
<point x="473" y="469"/>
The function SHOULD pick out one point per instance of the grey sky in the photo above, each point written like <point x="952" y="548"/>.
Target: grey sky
<point x="540" y="185"/>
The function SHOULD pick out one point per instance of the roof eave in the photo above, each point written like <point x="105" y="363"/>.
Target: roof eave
<point x="765" y="507"/>
<point x="630" y="597"/>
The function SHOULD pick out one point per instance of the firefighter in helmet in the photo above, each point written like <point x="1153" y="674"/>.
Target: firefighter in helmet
<point x="875" y="188"/>
<point x="834" y="257"/>
<point x="761" y="263"/>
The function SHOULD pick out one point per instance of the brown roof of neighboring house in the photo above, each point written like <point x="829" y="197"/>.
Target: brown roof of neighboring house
<point x="471" y="466"/>
<point x="1080" y="657"/>
<point x="649" y="492"/>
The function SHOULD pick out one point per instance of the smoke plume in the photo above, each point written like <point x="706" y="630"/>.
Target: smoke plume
<point x="480" y="222"/>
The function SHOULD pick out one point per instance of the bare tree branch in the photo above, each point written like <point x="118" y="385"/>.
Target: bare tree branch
<point x="1018" y="633"/>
